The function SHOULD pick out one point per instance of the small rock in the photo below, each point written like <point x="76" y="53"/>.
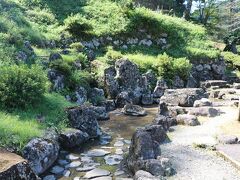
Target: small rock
<point x="144" y="175"/>
<point x="62" y="162"/>
<point x="119" y="151"/>
<point x="73" y="164"/>
<point x="66" y="173"/>
<point x="96" y="173"/>
<point x="103" y="178"/>
<point x="86" y="159"/>
<point x="202" y="102"/>
<point x="118" y="144"/>
<point x="187" y="119"/>
<point x="72" y="157"/>
<point x="49" y="177"/>
<point x="134" y="110"/>
<point x="57" y="170"/>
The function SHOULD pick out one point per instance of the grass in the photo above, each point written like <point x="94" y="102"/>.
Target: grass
<point x="19" y="126"/>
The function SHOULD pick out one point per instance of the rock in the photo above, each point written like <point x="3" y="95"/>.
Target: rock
<point x="160" y="88"/>
<point x="113" y="159"/>
<point x="202" y="102"/>
<point x="173" y="111"/>
<point x="96" y="173"/>
<point x="145" y="145"/>
<point x="119" y="173"/>
<point x="110" y="82"/>
<point x="110" y="105"/>
<point x="178" y="83"/>
<point x="66" y="173"/>
<point x="187" y="119"/>
<point x="191" y="82"/>
<point x="144" y="175"/>
<point x="72" y="137"/>
<point x="57" y="80"/>
<point x="211" y="83"/>
<point x="236" y="85"/>
<point x="103" y="178"/>
<point x="118" y="144"/>
<point x="62" y="162"/>
<point x="90" y="55"/>
<point x="55" y="56"/>
<point x="119" y="151"/>
<point x="81" y="95"/>
<point x="73" y="164"/>
<point x="165" y="121"/>
<point x="227" y="139"/>
<point x="84" y="119"/>
<point x="219" y="69"/>
<point x="13" y="167"/>
<point x="122" y="99"/>
<point x="147" y="98"/>
<point x="97" y="153"/>
<point x="204" y="111"/>
<point x="134" y="110"/>
<point x="150" y="77"/>
<point x="57" y="170"/>
<point x="199" y="68"/>
<point x="41" y="154"/>
<point x="182" y="97"/>
<point x="49" y="177"/>
<point x="100" y="112"/>
<point x="97" y="96"/>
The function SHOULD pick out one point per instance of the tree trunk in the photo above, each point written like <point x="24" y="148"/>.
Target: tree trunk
<point x="187" y="12"/>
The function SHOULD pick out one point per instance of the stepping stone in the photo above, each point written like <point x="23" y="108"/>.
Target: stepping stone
<point x="119" y="151"/>
<point x="49" y="177"/>
<point x="72" y="157"/>
<point x="118" y="144"/>
<point x="62" y="162"/>
<point x="118" y="173"/>
<point x="76" y="178"/>
<point x="97" y="153"/>
<point x="103" y="178"/>
<point x="88" y="167"/>
<point x="96" y="173"/>
<point x="57" y="170"/>
<point x="113" y="159"/>
<point x="86" y="159"/>
<point x="66" y="173"/>
<point x="73" y="164"/>
<point x="127" y="142"/>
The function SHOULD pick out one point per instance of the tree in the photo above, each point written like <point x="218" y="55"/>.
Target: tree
<point x="187" y="12"/>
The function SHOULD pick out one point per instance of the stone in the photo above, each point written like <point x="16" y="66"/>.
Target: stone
<point x="202" y="102"/>
<point x="110" y="105"/>
<point x="182" y="97"/>
<point x="100" y="112"/>
<point x="57" y="170"/>
<point x="66" y="173"/>
<point x="62" y="162"/>
<point x="41" y="154"/>
<point x="72" y="137"/>
<point x="84" y="119"/>
<point x="219" y="69"/>
<point x="144" y="175"/>
<point x="110" y="82"/>
<point x="122" y="99"/>
<point x="118" y="143"/>
<point x="96" y="173"/>
<point x="81" y="95"/>
<point x="97" y="153"/>
<point x="191" y="82"/>
<point x="134" y="110"/>
<point x="96" y="96"/>
<point x="119" y="173"/>
<point x="86" y="159"/>
<point x="113" y="159"/>
<point x="186" y="119"/>
<point x="178" y="82"/>
<point x="204" y="111"/>
<point x="72" y="157"/>
<point x="227" y="139"/>
<point x="160" y="88"/>
<point x="210" y="83"/>
<point x="49" y="177"/>
<point x="199" y="68"/>
<point x="57" y="80"/>
<point x="165" y="121"/>
<point x="145" y="146"/>
<point x="236" y="85"/>
<point x="13" y="167"/>
<point x="103" y="178"/>
<point x="73" y="164"/>
<point x="147" y="98"/>
<point x="119" y="151"/>
<point x="55" y="56"/>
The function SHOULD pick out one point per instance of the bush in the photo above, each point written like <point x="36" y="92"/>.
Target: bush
<point x="21" y="86"/>
<point x="232" y="59"/>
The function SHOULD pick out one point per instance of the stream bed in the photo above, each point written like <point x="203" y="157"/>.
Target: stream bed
<point x="104" y="154"/>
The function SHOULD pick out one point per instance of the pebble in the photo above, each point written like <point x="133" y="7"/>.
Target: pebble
<point x="96" y="173"/>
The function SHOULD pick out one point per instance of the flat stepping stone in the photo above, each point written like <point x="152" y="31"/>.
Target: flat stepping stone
<point x="88" y="167"/>
<point x="57" y="170"/>
<point x="96" y="173"/>
<point x="66" y="173"/>
<point x="103" y="178"/>
<point x="113" y="159"/>
<point x="118" y="144"/>
<point x="119" y="151"/>
<point x="73" y="164"/>
<point x="72" y="157"/>
<point x="127" y="142"/>
<point x="97" y="153"/>
<point x="86" y="159"/>
<point x="62" y="162"/>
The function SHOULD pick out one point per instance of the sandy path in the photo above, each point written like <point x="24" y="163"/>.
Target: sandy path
<point x="198" y="164"/>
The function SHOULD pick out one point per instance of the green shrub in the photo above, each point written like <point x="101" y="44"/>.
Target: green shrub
<point x="77" y="46"/>
<point x="232" y="59"/>
<point x="61" y="66"/>
<point x="21" y="86"/>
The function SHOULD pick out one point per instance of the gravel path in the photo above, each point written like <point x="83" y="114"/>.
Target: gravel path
<point x="199" y="164"/>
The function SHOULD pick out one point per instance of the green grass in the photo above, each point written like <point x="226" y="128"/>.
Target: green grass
<point x="19" y="126"/>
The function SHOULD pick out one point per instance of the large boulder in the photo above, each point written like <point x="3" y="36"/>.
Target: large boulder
<point x="57" y="80"/>
<point x="13" y="167"/>
<point x="165" y="121"/>
<point x="182" y="97"/>
<point x="70" y="138"/>
<point x="100" y="112"/>
<point x="96" y="96"/>
<point x="85" y="119"/>
<point x="145" y="145"/>
<point x="134" y="110"/>
<point x="81" y="95"/>
<point x="41" y="154"/>
<point x="111" y="84"/>
<point x="161" y="86"/>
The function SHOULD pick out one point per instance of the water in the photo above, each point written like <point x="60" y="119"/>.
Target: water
<point x="121" y="128"/>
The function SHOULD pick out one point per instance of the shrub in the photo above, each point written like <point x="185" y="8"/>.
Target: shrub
<point x="21" y="86"/>
<point x="77" y="46"/>
<point x="232" y="59"/>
